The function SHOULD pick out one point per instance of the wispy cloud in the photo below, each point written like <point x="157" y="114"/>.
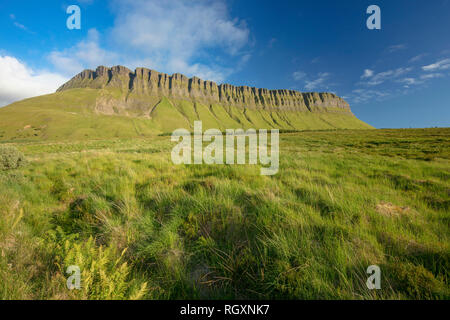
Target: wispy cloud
<point x="439" y="65"/>
<point x="367" y="74"/>
<point x="409" y="81"/>
<point x="18" y="24"/>
<point x="399" y="81"/>
<point x="396" y="47"/>
<point x="381" y="77"/>
<point x="363" y="95"/>
<point x="431" y="76"/>
<point x="422" y="79"/>
<point x="319" y="82"/>
<point x="418" y="57"/>
<point x="85" y="54"/>
<point x="299" y="75"/>
<point x="312" y="83"/>
<point x="184" y="35"/>
<point x="182" y="31"/>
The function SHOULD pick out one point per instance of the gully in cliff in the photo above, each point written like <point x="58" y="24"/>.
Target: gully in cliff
<point x="214" y="152"/>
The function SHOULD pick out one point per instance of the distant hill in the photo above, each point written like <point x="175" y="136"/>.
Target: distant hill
<point x="116" y="102"/>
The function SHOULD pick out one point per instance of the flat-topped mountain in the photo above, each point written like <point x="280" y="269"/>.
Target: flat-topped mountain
<point x="146" y="82"/>
<point x="118" y="102"/>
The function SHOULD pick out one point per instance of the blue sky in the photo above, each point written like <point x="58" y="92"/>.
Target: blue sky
<point x="395" y="77"/>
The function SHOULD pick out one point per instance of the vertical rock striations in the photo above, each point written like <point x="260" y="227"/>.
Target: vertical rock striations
<point x="142" y="83"/>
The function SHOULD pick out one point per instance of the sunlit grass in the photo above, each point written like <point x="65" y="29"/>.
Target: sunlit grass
<point x="142" y="227"/>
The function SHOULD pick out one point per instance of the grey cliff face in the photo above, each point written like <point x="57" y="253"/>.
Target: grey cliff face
<point x="149" y="83"/>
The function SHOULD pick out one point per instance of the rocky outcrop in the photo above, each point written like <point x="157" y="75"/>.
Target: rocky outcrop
<point x="149" y="83"/>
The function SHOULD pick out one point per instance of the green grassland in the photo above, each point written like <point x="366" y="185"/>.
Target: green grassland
<point x="73" y="115"/>
<point x="140" y="227"/>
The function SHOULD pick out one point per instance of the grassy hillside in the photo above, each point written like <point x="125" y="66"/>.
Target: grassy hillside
<point x="73" y="114"/>
<point x="66" y="115"/>
<point x="140" y="227"/>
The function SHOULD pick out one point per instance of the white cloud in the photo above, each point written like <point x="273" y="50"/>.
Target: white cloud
<point x="396" y="47"/>
<point x="431" y="76"/>
<point x="298" y="75"/>
<point x="177" y="28"/>
<point x="381" y="77"/>
<point x="202" y="71"/>
<point x="17" y="81"/>
<point x="409" y="81"/>
<point x="18" y="24"/>
<point x="367" y="74"/>
<point x="396" y="82"/>
<point x="315" y="84"/>
<point x="177" y="35"/>
<point x="169" y="36"/>
<point x="318" y="82"/>
<point x="418" y="57"/>
<point x="399" y="84"/>
<point x="365" y="95"/>
<point x="85" y="54"/>
<point x="420" y="80"/>
<point x="439" y="65"/>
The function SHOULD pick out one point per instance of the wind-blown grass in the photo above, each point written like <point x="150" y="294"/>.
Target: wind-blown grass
<point x="144" y="228"/>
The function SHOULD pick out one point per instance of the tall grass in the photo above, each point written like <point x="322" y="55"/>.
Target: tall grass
<point x="140" y="227"/>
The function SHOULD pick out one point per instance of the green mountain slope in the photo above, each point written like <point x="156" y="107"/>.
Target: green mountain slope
<point x="123" y="104"/>
<point x="67" y="115"/>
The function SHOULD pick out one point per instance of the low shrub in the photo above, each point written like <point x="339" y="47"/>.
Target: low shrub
<point x="11" y="158"/>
